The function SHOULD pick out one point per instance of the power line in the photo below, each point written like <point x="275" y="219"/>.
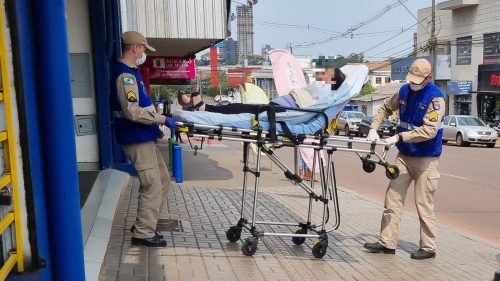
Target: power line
<point x="353" y="28"/>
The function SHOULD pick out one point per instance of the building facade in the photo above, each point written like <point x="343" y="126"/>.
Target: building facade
<point x="229" y="52"/>
<point x="469" y="32"/>
<point x="245" y="31"/>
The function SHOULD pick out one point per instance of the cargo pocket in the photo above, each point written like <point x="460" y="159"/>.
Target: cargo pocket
<point x="432" y="182"/>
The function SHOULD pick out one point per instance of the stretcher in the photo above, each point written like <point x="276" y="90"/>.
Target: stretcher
<point x="278" y="127"/>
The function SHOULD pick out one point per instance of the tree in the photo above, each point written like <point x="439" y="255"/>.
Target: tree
<point x="255" y="59"/>
<point x="367" y="89"/>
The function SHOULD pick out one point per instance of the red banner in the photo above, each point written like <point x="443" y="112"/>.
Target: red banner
<point x="171" y="68"/>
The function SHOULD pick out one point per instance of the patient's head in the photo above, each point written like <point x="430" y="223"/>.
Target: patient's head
<point x="333" y="76"/>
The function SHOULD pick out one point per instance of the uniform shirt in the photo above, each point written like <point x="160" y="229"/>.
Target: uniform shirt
<point x="428" y="130"/>
<point x="129" y="100"/>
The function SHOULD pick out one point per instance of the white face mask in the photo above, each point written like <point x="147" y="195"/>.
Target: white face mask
<point x="141" y="60"/>
<point x="416" y="87"/>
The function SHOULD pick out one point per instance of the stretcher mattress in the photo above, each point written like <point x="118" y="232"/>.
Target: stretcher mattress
<point x="331" y="102"/>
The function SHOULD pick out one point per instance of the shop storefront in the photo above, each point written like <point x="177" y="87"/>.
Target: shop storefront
<point x="460" y="96"/>
<point x="488" y="92"/>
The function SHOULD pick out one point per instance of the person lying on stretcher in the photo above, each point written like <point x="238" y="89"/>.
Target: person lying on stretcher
<point x="298" y="98"/>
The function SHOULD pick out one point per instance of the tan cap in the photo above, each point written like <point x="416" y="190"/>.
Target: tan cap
<point x="420" y="69"/>
<point x="133" y="37"/>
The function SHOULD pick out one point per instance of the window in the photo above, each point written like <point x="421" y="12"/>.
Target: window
<point x="491" y="49"/>
<point x="470" y="121"/>
<point x="453" y="121"/>
<point x="446" y="120"/>
<point x="378" y="80"/>
<point x="387" y="79"/>
<point x="464" y="50"/>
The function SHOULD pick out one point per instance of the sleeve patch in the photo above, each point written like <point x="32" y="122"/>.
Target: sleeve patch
<point x="436" y="105"/>
<point x="131" y="96"/>
<point x="128" y="81"/>
<point x="433" y="116"/>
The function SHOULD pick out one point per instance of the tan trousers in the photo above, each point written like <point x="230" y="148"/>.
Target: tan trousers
<point x="424" y="172"/>
<point x="155" y="184"/>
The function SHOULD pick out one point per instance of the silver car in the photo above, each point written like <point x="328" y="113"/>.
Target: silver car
<point x="348" y="122"/>
<point x="468" y="129"/>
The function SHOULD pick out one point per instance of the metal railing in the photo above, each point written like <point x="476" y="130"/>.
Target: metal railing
<point x="9" y="177"/>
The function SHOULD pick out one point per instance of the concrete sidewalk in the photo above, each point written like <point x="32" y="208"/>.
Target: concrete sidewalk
<point x="206" y="208"/>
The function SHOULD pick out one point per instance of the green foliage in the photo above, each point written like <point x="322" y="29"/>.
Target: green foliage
<point x="367" y="89"/>
<point x="254" y="59"/>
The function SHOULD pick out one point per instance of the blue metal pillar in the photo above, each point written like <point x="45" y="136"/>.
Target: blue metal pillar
<point x="58" y="141"/>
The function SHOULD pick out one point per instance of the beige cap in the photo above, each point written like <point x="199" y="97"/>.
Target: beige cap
<point x="133" y="37"/>
<point x="420" y="69"/>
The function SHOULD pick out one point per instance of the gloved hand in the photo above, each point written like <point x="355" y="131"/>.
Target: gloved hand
<point x="392" y="140"/>
<point x="372" y="135"/>
<point x="170" y="122"/>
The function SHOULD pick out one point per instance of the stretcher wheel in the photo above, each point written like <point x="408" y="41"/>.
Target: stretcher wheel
<point x="319" y="248"/>
<point x="233" y="234"/>
<point x="392" y="172"/>
<point x="368" y="166"/>
<point x="249" y="246"/>
<point x="299" y="240"/>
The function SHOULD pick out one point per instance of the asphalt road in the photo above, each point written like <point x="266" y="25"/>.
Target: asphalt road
<point x="468" y="196"/>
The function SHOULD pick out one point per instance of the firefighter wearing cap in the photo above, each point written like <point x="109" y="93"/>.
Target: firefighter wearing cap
<point x="137" y="129"/>
<point x="419" y="141"/>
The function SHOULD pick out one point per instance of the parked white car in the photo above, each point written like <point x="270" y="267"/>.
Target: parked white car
<point x="466" y="129"/>
<point x="348" y="122"/>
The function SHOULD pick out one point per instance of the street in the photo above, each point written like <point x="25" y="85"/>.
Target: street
<point x="468" y="192"/>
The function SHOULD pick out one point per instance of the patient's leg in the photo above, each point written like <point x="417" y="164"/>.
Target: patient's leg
<point x="233" y="108"/>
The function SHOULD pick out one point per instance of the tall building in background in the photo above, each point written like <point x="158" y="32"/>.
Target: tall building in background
<point x="245" y="31"/>
<point x="229" y="51"/>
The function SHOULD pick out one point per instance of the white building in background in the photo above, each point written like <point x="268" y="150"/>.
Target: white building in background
<point x="469" y="32"/>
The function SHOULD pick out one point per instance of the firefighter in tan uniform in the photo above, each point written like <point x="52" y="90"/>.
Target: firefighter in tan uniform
<point x="137" y="129"/>
<point x="419" y="141"/>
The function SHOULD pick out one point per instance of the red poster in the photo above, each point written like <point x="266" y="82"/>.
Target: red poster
<point x="171" y="68"/>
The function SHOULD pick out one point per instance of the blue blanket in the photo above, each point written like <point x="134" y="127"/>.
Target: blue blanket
<point x="330" y="102"/>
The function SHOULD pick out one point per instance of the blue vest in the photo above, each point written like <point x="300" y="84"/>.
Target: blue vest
<point x="412" y="109"/>
<point x="129" y="132"/>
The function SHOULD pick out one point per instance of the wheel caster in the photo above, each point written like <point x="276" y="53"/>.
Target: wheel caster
<point x="233" y="234"/>
<point x="249" y="246"/>
<point x="299" y="240"/>
<point x="368" y="166"/>
<point x="392" y="172"/>
<point x="319" y="248"/>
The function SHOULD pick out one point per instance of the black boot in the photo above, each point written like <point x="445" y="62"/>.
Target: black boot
<point x="150" y="242"/>
<point x="377" y="248"/>
<point x="422" y="255"/>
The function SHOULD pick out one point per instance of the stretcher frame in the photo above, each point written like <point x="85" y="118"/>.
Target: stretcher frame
<point x="267" y="142"/>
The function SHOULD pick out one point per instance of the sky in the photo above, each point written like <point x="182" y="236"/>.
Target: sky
<point x="283" y="22"/>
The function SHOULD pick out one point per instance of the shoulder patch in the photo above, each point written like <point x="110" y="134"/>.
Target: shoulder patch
<point x="436" y="105"/>
<point x="433" y="116"/>
<point x="128" y="81"/>
<point x="131" y="96"/>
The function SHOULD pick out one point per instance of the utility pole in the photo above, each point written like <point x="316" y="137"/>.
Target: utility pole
<point x="433" y="40"/>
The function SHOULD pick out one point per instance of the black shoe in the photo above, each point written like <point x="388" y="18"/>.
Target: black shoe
<point x="156" y="232"/>
<point x="422" y="255"/>
<point x="377" y="248"/>
<point x="150" y="242"/>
